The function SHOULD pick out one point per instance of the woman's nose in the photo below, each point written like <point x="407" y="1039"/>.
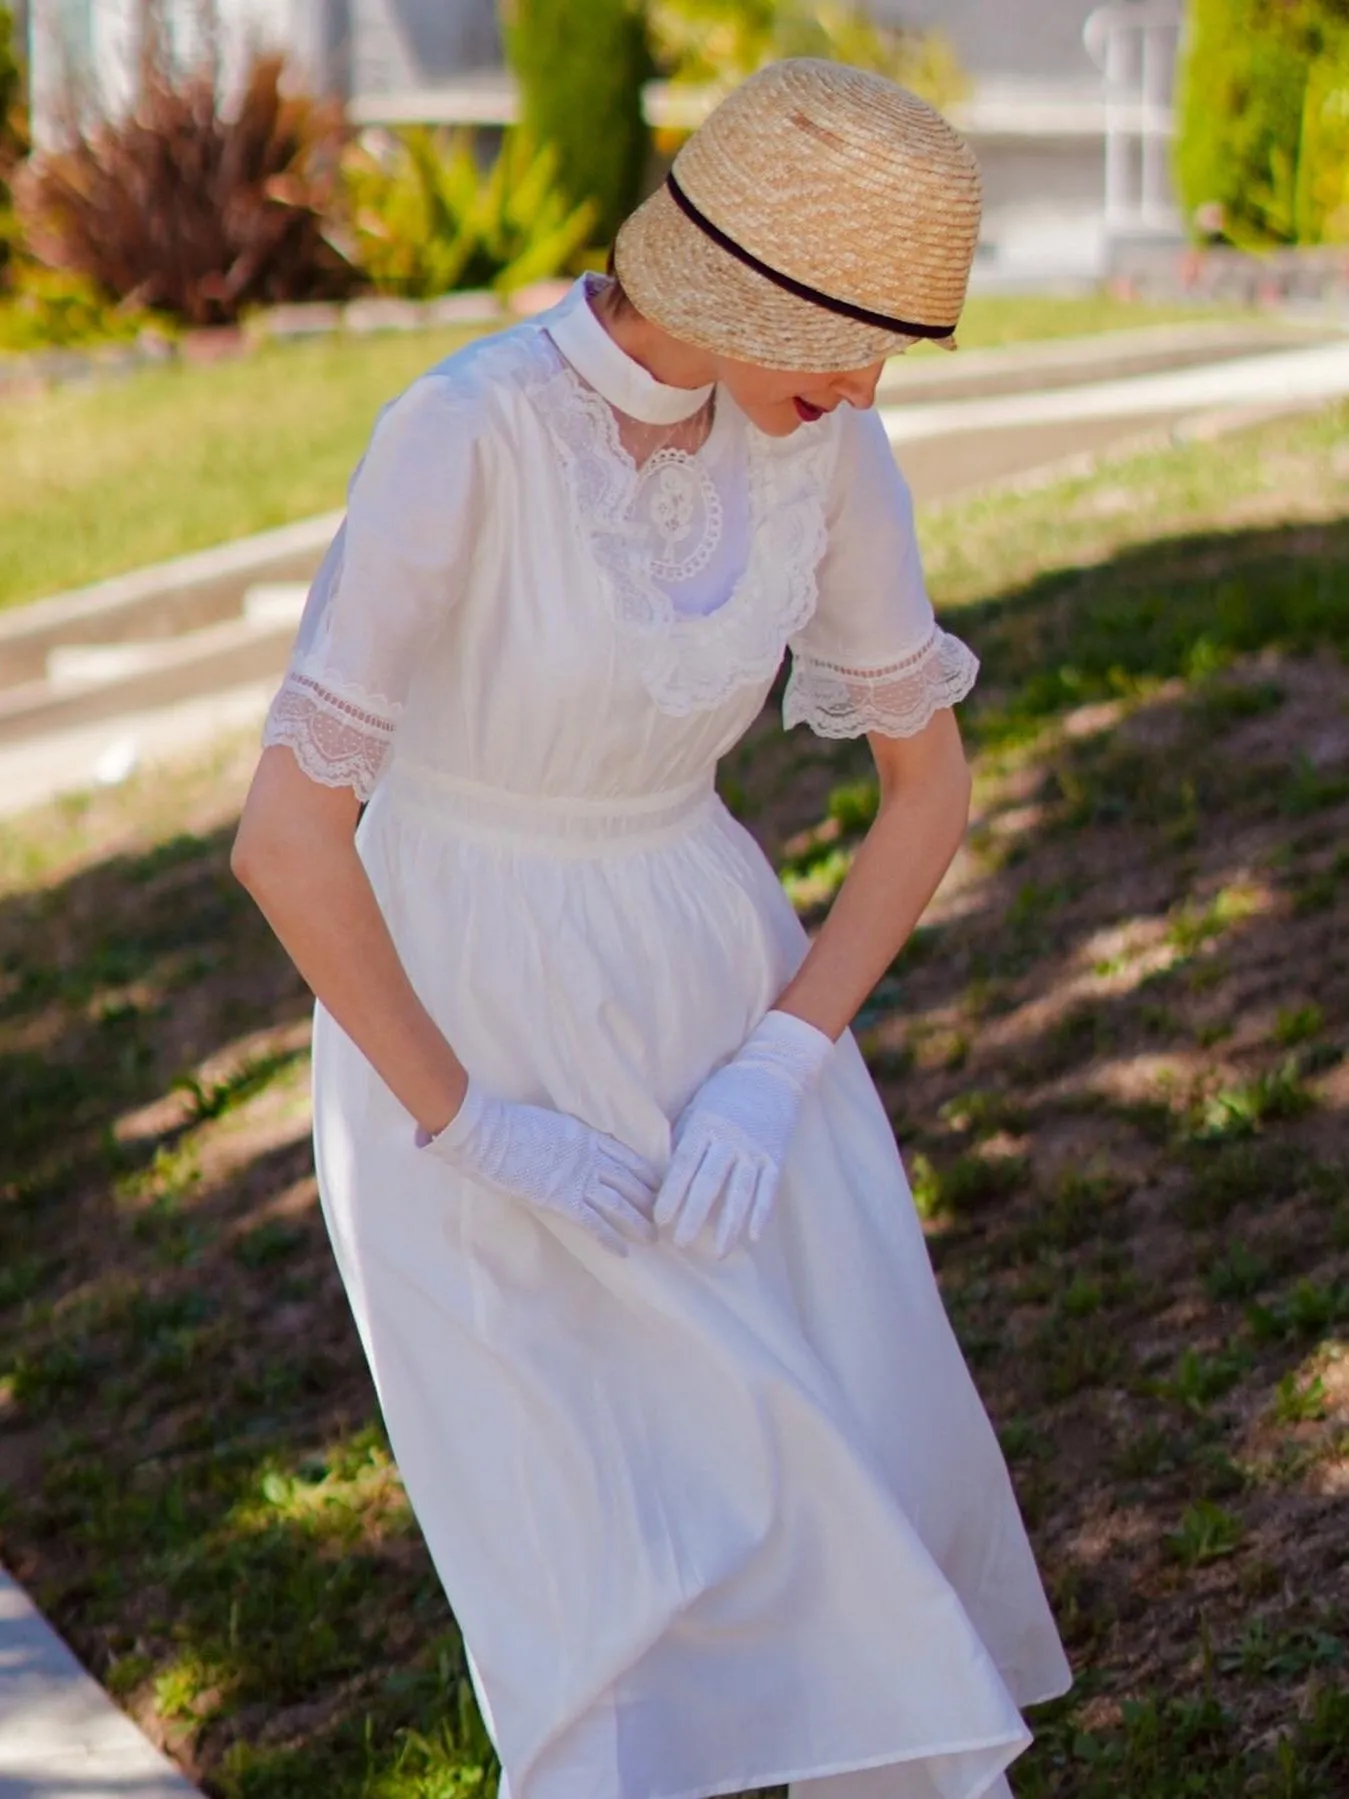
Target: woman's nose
<point x="858" y="386"/>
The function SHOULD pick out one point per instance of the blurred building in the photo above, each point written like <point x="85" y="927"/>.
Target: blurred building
<point x="1069" y="106"/>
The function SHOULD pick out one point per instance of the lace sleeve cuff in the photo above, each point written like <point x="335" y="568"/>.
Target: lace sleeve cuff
<point x="339" y="736"/>
<point x="896" y="700"/>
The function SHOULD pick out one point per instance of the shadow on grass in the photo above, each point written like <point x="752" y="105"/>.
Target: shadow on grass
<point x="1114" y="1058"/>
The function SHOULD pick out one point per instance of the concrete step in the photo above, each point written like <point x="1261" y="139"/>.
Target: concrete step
<point x="1077" y="361"/>
<point x="199" y="662"/>
<point x="275" y="606"/>
<point x="1308" y="375"/>
<point x="163" y="601"/>
<point x="85" y="682"/>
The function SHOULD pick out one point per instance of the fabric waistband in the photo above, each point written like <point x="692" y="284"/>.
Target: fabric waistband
<point x="586" y="823"/>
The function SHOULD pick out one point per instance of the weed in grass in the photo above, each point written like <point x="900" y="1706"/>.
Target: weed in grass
<point x="1238" y="1274"/>
<point x="1020" y="1440"/>
<point x="20" y="1279"/>
<point x="1319" y="891"/>
<point x="216" y="1098"/>
<point x="1078" y="1207"/>
<point x="1148" y="1452"/>
<point x="1275" y="1095"/>
<point x="1161" y="1748"/>
<point x="1298" y="1024"/>
<point x="1206" y="1533"/>
<point x="1308" y="1309"/>
<point x="1297" y="1401"/>
<point x="1199" y="1379"/>
<point x="41" y="1379"/>
<point x="1309" y="788"/>
<point x="1220" y="704"/>
<point x="170" y="1177"/>
<point x="1223" y="1176"/>
<point x="964" y="1185"/>
<point x="1081" y="1297"/>
<point x="1081" y="1034"/>
<point x="272" y="1241"/>
<point x="1192" y="926"/>
<point x="1314" y="1761"/>
<point x="1070" y="1361"/>
<point x="1214" y="1475"/>
<point x="1264" y="1653"/>
<point x="981" y="1113"/>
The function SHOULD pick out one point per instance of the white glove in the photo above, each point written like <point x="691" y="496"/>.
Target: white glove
<point x="731" y="1139"/>
<point x="553" y="1162"/>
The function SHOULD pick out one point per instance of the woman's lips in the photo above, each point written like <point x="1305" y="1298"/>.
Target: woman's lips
<point x="808" y="412"/>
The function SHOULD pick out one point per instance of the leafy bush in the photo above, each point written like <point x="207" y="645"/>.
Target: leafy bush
<point x="193" y="207"/>
<point x="719" y="42"/>
<point x="1263" y="120"/>
<point x="581" y="70"/>
<point x="13" y="139"/>
<point x="48" y="310"/>
<point x="425" y="219"/>
<point x="1321" y="199"/>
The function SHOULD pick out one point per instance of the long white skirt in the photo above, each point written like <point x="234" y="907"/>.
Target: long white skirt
<point x="706" y="1527"/>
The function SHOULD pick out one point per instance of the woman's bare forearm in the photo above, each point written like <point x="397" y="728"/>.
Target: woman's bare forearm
<point x="296" y="855"/>
<point x="925" y="791"/>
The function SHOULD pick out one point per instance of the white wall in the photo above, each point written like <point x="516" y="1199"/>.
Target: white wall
<point x="90" y="46"/>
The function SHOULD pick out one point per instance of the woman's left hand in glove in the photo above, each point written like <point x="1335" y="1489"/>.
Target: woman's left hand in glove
<point x="731" y="1140"/>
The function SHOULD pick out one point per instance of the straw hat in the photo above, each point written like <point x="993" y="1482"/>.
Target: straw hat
<point x="820" y="218"/>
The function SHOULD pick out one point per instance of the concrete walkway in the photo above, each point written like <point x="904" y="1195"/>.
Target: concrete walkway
<point x="61" y="1737"/>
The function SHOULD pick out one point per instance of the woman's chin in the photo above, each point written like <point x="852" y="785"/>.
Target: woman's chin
<point x="777" y="421"/>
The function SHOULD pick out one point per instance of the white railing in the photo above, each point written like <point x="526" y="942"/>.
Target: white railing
<point x="1134" y="44"/>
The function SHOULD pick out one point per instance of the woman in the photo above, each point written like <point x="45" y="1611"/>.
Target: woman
<point x="618" y="1210"/>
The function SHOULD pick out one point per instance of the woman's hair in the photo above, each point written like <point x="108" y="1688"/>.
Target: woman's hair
<point x="618" y="294"/>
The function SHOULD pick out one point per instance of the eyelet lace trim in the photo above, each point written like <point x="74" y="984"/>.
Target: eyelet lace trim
<point x="691" y="663"/>
<point x="897" y="700"/>
<point x="339" y="736"/>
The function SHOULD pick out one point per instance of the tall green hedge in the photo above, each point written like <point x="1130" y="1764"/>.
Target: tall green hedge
<point x="1263" y="119"/>
<point x="581" y="65"/>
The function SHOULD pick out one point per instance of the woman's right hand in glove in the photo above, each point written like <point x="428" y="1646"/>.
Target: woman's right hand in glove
<point x="554" y="1162"/>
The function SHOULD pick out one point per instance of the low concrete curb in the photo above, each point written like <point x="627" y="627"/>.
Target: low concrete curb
<point x="61" y="1737"/>
<point x="162" y="600"/>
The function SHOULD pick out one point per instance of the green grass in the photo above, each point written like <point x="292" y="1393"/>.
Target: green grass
<point x="1114" y="1053"/>
<point x="991" y="321"/>
<point x="163" y="461"/>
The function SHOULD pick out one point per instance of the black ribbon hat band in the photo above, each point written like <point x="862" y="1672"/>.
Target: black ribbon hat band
<point x="882" y="321"/>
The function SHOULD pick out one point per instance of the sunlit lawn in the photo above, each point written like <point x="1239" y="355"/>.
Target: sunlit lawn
<point x="1115" y="1057"/>
<point x="104" y="479"/>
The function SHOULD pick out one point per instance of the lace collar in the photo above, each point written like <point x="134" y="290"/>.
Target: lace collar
<point x="625" y="384"/>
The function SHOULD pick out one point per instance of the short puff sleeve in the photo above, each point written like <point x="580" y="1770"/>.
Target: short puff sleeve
<point x="872" y="657"/>
<point x="385" y="587"/>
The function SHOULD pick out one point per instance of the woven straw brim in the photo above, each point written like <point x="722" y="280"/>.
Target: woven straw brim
<point x="702" y="295"/>
<point x="848" y="188"/>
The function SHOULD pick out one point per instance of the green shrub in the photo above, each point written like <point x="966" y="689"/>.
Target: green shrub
<point x="581" y="71"/>
<point x="47" y="310"/>
<point x="13" y="139"/>
<point x="1321" y="198"/>
<point x="1263" y="120"/>
<point x="719" y="42"/>
<point x="426" y="220"/>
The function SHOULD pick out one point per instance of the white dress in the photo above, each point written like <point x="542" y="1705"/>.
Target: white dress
<point x="706" y="1526"/>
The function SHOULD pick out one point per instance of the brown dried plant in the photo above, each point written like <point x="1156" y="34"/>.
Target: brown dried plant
<point x="196" y="207"/>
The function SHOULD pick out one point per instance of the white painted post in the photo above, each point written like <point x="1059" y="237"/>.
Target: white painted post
<point x="1133" y="43"/>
